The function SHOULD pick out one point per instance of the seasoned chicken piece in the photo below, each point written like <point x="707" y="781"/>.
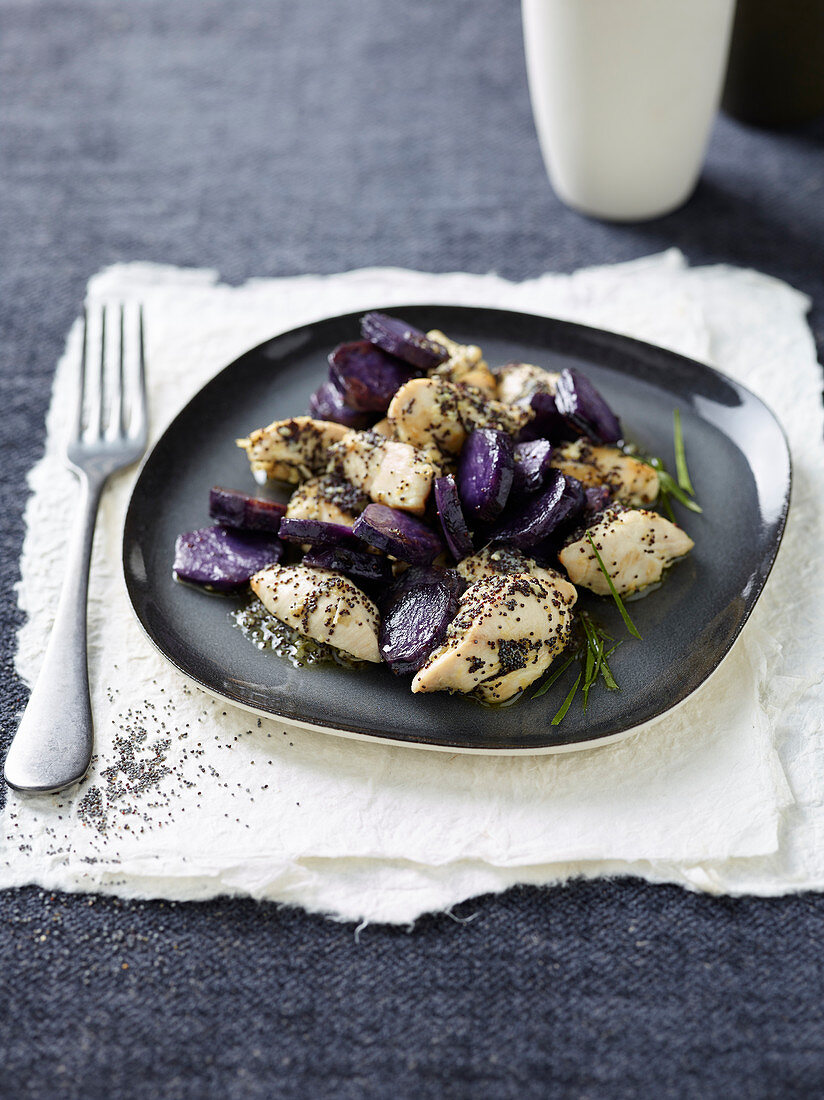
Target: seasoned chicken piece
<point x="384" y="428"/>
<point x="327" y="498"/>
<point x="629" y="480"/>
<point x="636" y="546"/>
<point x="291" y="450"/>
<point x="435" y="415"/>
<point x="322" y="605"/>
<point x="517" y="382"/>
<point x="492" y="561"/>
<point x="465" y="364"/>
<point x="507" y="631"/>
<point x="390" y="472"/>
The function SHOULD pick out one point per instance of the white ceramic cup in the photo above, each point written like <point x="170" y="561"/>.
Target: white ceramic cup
<point x="624" y="93"/>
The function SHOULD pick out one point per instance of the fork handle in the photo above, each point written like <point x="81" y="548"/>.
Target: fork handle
<point x="53" y="745"/>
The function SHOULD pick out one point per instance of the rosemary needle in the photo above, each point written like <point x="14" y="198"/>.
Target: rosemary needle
<point x="628" y="623"/>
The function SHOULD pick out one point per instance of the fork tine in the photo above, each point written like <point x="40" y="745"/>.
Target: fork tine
<point x="97" y="409"/>
<point x="119" y="399"/>
<point x="139" y="426"/>
<point x="81" y="390"/>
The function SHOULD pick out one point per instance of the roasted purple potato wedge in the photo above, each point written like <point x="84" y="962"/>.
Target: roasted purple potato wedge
<point x="367" y="376"/>
<point x="416" y="624"/>
<point x="318" y="532"/>
<point x="532" y="466"/>
<point x="399" y="534"/>
<point x="328" y="403"/>
<point x="360" y="565"/>
<point x="578" y="400"/>
<point x="403" y="340"/>
<point x="455" y="531"/>
<point x="598" y="498"/>
<point x="547" y="422"/>
<point x="223" y="559"/>
<point x="231" y="508"/>
<point x="485" y="473"/>
<point x="559" y="504"/>
<point x="417" y="575"/>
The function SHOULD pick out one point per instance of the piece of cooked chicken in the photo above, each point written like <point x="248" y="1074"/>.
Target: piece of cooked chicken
<point x="291" y="450"/>
<point x="322" y="605"/>
<point x="629" y="480"/>
<point x="465" y="364"/>
<point x="390" y="472"/>
<point x="492" y="561"/>
<point x="436" y="416"/>
<point x="517" y="382"/>
<point x="636" y="546"/>
<point x="507" y="631"/>
<point x="327" y="498"/>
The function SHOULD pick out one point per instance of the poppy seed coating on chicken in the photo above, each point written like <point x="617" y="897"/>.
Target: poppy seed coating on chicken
<point x="327" y="498"/>
<point x="492" y="561"/>
<point x="629" y="480"/>
<point x="517" y="382"/>
<point x="321" y="604"/>
<point x="636" y="546"/>
<point x="508" y="629"/>
<point x="292" y="450"/>
<point x="465" y="364"/>
<point x="390" y="472"/>
<point x="436" y="416"/>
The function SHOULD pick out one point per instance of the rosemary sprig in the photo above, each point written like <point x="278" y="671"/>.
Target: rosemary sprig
<point x="619" y="603"/>
<point x="680" y="454"/>
<point x="591" y="654"/>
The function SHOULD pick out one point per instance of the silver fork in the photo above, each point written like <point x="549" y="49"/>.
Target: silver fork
<point x="53" y="745"/>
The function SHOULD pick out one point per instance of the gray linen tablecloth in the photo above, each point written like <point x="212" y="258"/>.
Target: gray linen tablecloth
<point x="277" y="138"/>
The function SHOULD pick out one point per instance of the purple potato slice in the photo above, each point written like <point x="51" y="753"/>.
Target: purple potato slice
<point x="232" y="508"/>
<point x="222" y="559"/>
<point x="327" y="403"/>
<point x="417" y="575"/>
<point x="450" y="513"/>
<point x="360" y="565"/>
<point x="403" y="340"/>
<point x="579" y="401"/>
<point x="366" y="376"/>
<point x="317" y="532"/>
<point x="560" y="503"/>
<point x="598" y="497"/>
<point x="416" y="624"/>
<point x="547" y="423"/>
<point x="398" y="533"/>
<point x="532" y="466"/>
<point x="485" y="472"/>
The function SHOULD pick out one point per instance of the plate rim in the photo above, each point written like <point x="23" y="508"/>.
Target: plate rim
<point x="576" y="328"/>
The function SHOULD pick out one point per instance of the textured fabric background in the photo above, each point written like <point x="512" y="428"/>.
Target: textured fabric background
<point x="276" y="138"/>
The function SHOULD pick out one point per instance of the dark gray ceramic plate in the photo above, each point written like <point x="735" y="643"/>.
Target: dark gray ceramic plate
<point x="739" y="464"/>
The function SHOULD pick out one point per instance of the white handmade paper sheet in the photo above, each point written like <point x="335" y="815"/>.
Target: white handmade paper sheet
<point x="189" y="798"/>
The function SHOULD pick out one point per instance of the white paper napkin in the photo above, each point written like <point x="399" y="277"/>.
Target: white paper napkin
<point x="189" y="798"/>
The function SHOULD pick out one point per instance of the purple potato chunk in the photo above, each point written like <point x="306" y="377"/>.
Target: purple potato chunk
<point x="327" y="403"/>
<point x="403" y="340"/>
<point x="416" y="624"/>
<point x="485" y="472"/>
<point x="366" y="376"/>
<point x="547" y="423"/>
<point x="559" y="504"/>
<point x="398" y="533"/>
<point x="358" y="564"/>
<point x="598" y="497"/>
<point x="231" y="508"/>
<point x="317" y="532"/>
<point x="417" y="575"/>
<point x="532" y="466"/>
<point x="579" y="401"/>
<point x="221" y="559"/>
<point x="450" y="513"/>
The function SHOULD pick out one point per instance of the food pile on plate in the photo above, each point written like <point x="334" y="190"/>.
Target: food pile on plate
<point x="443" y="516"/>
